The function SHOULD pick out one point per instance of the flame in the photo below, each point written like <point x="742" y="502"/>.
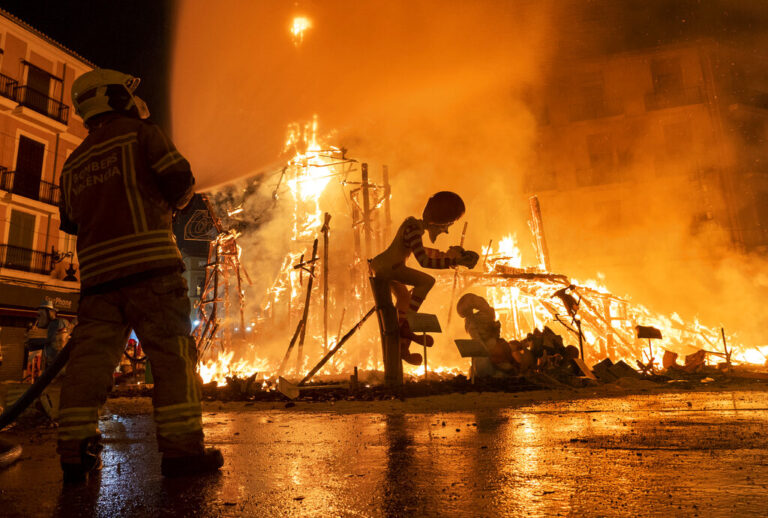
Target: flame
<point x="224" y="366"/>
<point x="523" y="302"/>
<point x="524" y="298"/>
<point x="299" y="26"/>
<point x="507" y="253"/>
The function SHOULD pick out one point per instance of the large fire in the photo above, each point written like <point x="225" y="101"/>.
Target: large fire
<point x="524" y="298"/>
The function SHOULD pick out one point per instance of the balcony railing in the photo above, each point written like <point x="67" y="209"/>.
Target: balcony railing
<point x="673" y="98"/>
<point x="25" y="259"/>
<point x="49" y="193"/>
<point x="591" y="111"/>
<point x="6" y="180"/>
<point x="29" y="186"/>
<point x="40" y="102"/>
<point x="752" y="97"/>
<point x="8" y="87"/>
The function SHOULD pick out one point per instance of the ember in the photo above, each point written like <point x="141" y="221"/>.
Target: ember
<point x="299" y="26"/>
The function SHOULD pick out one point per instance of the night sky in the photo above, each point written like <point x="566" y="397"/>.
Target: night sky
<point x="133" y="36"/>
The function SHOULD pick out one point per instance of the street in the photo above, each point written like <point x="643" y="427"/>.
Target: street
<point x="668" y="454"/>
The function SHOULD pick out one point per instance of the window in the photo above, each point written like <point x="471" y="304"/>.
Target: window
<point x="601" y="161"/>
<point x="29" y="168"/>
<point x="21" y="235"/>
<point x="667" y="75"/>
<point x="38" y="87"/>
<point x="39" y="80"/>
<point x="590" y="102"/>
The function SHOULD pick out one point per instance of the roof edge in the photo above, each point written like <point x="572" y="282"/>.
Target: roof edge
<point x="24" y="25"/>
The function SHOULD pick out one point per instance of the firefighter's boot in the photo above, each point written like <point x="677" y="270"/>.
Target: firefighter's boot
<point x="90" y="462"/>
<point x="208" y="461"/>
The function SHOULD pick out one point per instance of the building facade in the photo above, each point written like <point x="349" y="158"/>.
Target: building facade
<point x="38" y="131"/>
<point x="654" y="153"/>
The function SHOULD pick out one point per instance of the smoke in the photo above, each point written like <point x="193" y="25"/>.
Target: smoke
<point x="673" y="233"/>
<point x="450" y="96"/>
<point x="432" y="89"/>
<point x="435" y="90"/>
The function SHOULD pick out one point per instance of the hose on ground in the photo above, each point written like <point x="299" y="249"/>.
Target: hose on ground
<point x="9" y="453"/>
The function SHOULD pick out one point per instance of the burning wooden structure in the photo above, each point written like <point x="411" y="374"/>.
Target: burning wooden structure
<point x="297" y="315"/>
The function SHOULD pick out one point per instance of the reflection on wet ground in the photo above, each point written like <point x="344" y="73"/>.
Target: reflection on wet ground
<point x="658" y="455"/>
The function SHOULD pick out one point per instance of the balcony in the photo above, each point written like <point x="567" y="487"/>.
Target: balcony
<point x="41" y="103"/>
<point x="673" y="98"/>
<point x="25" y="259"/>
<point x="8" y="87"/>
<point x="29" y="186"/>
<point x="595" y="110"/>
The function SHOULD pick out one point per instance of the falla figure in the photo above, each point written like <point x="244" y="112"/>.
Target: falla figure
<point x="410" y="286"/>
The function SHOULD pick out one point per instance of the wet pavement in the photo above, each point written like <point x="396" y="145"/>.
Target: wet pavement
<point x="681" y="454"/>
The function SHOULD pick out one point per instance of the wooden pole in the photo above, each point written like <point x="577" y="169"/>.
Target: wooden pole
<point x="537" y="227"/>
<point x="387" y="208"/>
<point x="357" y="270"/>
<point x="366" y="211"/>
<point x="240" y="297"/>
<point x="341" y="322"/>
<point x="302" y="322"/>
<point x="215" y="278"/>
<point x="487" y="253"/>
<point x="456" y="276"/>
<point x="725" y="347"/>
<point x="336" y="347"/>
<point x="325" y="230"/>
<point x="305" y="316"/>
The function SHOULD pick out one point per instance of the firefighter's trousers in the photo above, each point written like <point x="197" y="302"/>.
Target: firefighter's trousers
<point x="157" y="309"/>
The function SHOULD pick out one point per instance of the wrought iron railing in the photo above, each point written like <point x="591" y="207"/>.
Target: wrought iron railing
<point x="25" y="259"/>
<point x="672" y="98"/>
<point x="29" y="186"/>
<point x="752" y="97"/>
<point x="590" y="111"/>
<point x="8" y="87"/>
<point x="49" y="192"/>
<point x="40" y="102"/>
<point x="6" y="179"/>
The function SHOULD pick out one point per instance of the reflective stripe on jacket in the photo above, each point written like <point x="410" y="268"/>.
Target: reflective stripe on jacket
<point x="119" y="188"/>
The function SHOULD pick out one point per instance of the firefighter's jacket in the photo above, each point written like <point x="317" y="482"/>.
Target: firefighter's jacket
<point x="119" y="188"/>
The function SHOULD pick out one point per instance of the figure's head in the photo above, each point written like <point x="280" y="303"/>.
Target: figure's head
<point x="441" y="211"/>
<point x="103" y="90"/>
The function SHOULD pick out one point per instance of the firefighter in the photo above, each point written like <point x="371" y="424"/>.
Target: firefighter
<point x="48" y="334"/>
<point x="440" y="212"/>
<point x="119" y="189"/>
<point x="57" y="330"/>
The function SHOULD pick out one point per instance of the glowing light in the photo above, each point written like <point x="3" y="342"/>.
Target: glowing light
<point x="507" y="253"/>
<point x="299" y="26"/>
<point x="224" y="366"/>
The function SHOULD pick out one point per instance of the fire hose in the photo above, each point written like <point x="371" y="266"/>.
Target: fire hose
<point x="10" y="452"/>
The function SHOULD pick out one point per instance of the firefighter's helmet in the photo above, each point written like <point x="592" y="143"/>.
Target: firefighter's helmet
<point x="103" y="90"/>
<point x="443" y="208"/>
<point x="46" y="304"/>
